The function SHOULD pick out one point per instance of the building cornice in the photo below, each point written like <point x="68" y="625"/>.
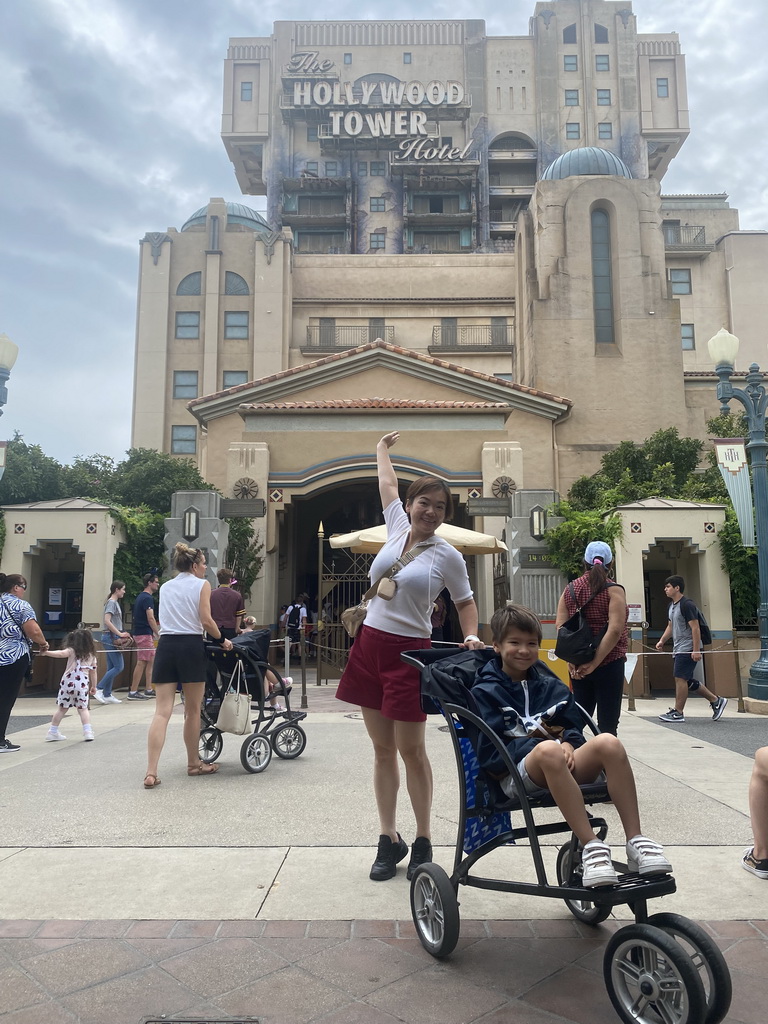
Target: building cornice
<point x="428" y="369"/>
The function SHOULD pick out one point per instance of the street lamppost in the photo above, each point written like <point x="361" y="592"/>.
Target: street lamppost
<point x="8" y="353"/>
<point x="723" y="348"/>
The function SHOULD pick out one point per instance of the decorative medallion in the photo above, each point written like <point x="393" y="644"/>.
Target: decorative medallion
<point x="474" y="492"/>
<point x="276" y="494"/>
<point x="18" y="527"/>
<point x="709" y="528"/>
<point x="245" y="489"/>
<point x="91" y="527"/>
<point x="635" y="527"/>
<point x="503" y="486"/>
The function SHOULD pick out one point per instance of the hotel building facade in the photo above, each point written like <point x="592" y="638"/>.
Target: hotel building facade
<point x="466" y="238"/>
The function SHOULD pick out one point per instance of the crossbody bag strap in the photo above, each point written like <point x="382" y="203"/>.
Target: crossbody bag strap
<point x="10" y="614"/>
<point x="396" y="566"/>
<point x="580" y="608"/>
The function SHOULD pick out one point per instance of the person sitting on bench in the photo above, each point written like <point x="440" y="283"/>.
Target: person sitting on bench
<point x="537" y="717"/>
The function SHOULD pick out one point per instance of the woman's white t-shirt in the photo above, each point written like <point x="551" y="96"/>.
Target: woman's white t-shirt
<point x="180" y="605"/>
<point x="438" y="565"/>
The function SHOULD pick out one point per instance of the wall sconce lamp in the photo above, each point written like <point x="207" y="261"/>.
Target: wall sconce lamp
<point x="190" y="524"/>
<point x="538" y="522"/>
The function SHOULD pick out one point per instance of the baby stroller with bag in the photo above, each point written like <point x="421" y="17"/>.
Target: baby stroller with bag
<point x="663" y="969"/>
<point x="278" y="731"/>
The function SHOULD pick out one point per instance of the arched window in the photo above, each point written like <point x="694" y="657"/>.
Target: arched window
<point x="602" y="286"/>
<point x="190" y="285"/>
<point x="569" y="34"/>
<point x="234" y="284"/>
<point x="601" y="33"/>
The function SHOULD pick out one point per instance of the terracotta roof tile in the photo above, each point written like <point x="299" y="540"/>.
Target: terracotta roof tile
<point x="387" y="347"/>
<point x="343" y="404"/>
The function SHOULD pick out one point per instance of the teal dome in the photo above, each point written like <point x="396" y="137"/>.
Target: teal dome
<point x="586" y="160"/>
<point x="236" y="214"/>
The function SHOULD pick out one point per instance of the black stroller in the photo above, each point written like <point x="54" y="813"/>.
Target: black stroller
<point x="277" y="731"/>
<point x="664" y="969"/>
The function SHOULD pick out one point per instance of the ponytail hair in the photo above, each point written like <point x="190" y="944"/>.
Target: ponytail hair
<point x="185" y="557"/>
<point x="114" y="586"/>
<point x="597" y="576"/>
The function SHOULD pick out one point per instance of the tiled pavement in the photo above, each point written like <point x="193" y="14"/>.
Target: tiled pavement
<point x="334" y="972"/>
<point x="341" y="972"/>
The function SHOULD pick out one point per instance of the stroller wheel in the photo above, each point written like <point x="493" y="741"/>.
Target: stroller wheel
<point x="650" y="978"/>
<point x="707" y="959"/>
<point x="435" y="910"/>
<point x="255" y="753"/>
<point x="288" y="741"/>
<point x="211" y="745"/>
<point x="569" y="873"/>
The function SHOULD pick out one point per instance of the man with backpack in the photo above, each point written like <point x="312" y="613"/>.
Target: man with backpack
<point x="690" y="632"/>
<point x="295" y="618"/>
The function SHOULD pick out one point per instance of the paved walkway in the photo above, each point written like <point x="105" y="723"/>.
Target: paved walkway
<point x="204" y="899"/>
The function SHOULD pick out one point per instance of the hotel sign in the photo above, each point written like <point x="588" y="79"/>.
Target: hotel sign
<point x="355" y="109"/>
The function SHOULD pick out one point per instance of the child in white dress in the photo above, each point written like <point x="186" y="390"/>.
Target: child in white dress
<point x="77" y="683"/>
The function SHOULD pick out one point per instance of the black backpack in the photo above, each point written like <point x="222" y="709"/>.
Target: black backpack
<point x="294" y="616"/>
<point x="575" y="641"/>
<point x="706" y="632"/>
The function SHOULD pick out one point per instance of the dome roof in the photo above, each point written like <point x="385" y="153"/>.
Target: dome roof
<point x="236" y="214"/>
<point x="586" y="160"/>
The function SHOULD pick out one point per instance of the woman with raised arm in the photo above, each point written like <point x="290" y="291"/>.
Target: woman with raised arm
<point x="419" y="564"/>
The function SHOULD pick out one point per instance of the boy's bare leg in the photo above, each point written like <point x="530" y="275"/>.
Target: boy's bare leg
<point x="711" y="697"/>
<point x="606" y="753"/>
<point x="681" y="694"/>
<point x="546" y="765"/>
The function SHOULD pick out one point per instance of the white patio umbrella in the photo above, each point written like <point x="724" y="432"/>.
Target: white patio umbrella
<point x="468" y="542"/>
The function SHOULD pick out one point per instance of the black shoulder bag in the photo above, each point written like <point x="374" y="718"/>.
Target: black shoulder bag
<point x="576" y="642"/>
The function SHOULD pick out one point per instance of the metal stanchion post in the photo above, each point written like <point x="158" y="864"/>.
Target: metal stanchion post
<point x="303" y="654"/>
<point x="739" y="688"/>
<point x="320" y="617"/>
<point x="631" y="688"/>
<point x="646" y="672"/>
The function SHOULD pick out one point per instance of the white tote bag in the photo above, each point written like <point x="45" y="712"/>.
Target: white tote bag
<point x="235" y="710"/>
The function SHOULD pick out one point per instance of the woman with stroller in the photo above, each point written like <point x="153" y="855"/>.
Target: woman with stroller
<point x="185" y="614"/>
<point x="419" y="565"/>
<point x="600" y="682"/>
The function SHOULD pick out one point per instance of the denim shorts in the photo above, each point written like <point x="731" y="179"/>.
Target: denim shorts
<point x="530" y="787"/>
<point x="684" y="668"/>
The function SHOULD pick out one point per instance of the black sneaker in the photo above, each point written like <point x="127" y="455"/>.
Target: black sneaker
<point x="421" y="853"/>
<point x="388" y="856"/>
<point x="6" y="747"/>
<point x="718" y="707"/>
<point x="135" y="695"/>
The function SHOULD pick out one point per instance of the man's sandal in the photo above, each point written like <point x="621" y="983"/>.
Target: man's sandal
<point x="150" y="781"/>
<point x="202" y="769"/>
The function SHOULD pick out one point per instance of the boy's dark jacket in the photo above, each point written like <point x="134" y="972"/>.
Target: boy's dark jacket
<point x="524" y="714"/>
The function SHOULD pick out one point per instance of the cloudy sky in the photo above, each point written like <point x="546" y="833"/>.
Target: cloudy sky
<point x="110" y="118"/>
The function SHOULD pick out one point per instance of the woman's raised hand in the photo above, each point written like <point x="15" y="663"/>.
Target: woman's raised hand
<point x="390" y="439"/>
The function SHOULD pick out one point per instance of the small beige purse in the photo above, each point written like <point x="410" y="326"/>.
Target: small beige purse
<point x="385" y="588"/>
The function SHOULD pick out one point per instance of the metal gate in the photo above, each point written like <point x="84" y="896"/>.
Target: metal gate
<point x="343" y="581"/>
<point x="501" y="592"/>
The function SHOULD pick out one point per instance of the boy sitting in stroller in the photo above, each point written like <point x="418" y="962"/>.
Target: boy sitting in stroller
<point x="522" y="701"/>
